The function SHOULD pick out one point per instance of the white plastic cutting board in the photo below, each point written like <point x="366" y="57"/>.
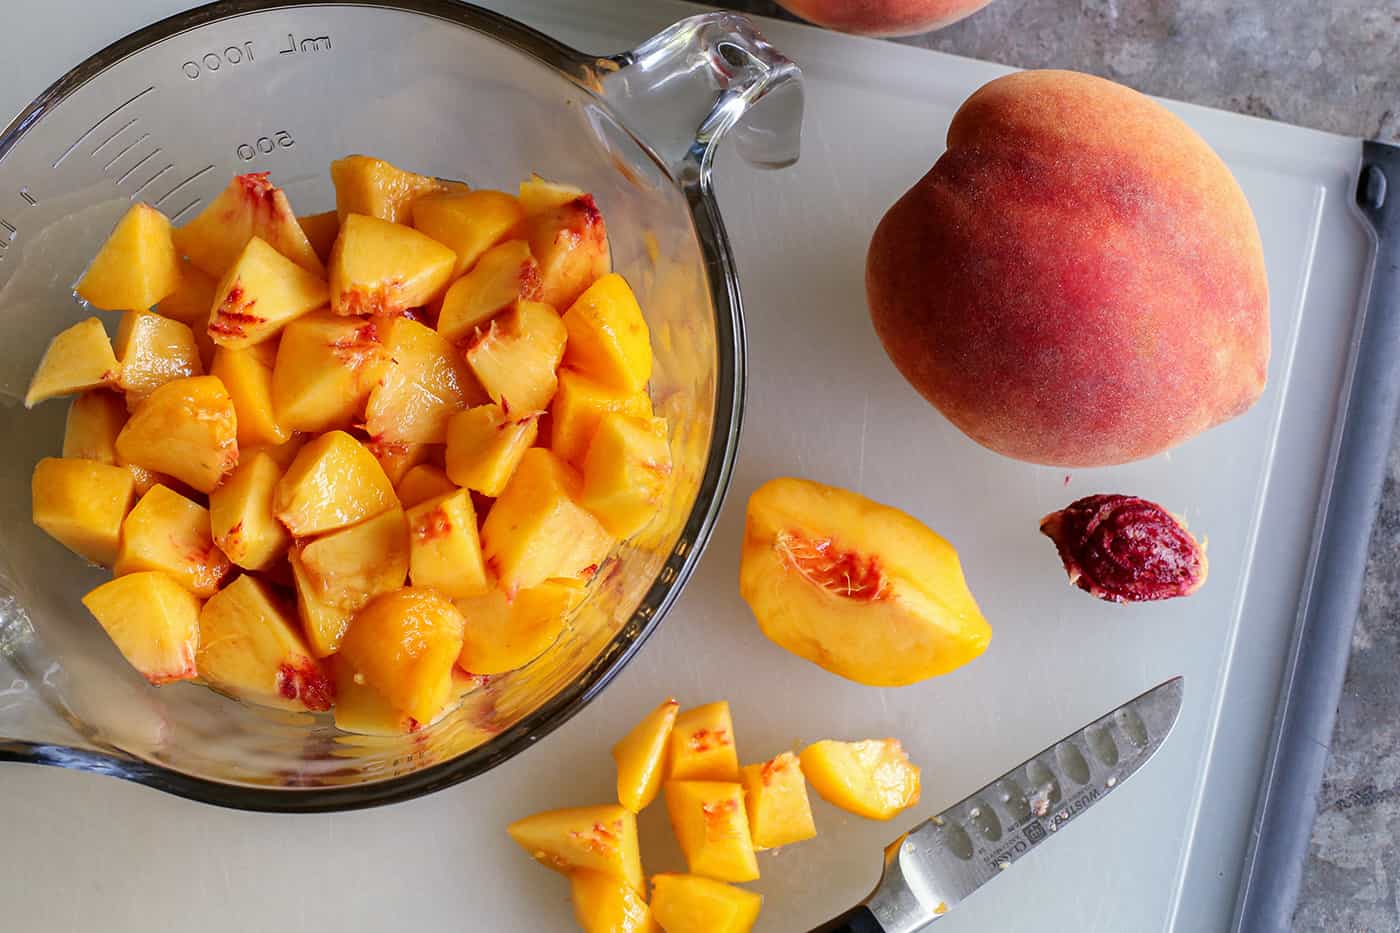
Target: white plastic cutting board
<point x="81" y="852"/>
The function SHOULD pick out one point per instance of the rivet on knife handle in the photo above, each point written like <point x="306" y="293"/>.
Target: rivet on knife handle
<point x="931" y="869"/>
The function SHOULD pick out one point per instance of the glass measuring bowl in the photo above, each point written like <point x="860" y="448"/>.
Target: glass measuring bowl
<point x="167" y="115"/>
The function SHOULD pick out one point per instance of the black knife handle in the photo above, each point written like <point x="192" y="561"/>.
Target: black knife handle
<point x="858" y="919"/>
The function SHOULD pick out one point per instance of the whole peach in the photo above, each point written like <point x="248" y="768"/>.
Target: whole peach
<point x="883" y="17"/>
<point x="1078" y="281"/>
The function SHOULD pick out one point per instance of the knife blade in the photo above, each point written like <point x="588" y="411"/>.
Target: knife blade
<point x="933" y="867"/>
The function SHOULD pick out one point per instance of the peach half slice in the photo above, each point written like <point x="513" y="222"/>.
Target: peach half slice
<point x="857" y="587"/>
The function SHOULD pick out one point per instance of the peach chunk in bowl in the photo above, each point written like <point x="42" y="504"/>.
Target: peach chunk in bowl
<point x="165" y="117"/>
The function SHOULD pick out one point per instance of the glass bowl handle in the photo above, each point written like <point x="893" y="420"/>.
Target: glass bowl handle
<point x="690" y="84"/>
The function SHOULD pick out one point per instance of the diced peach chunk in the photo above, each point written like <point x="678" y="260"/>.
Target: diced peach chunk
<point x="602" y="839"/>
<point x="187" y="429"/>
<point x="247" y="374"/>
<point x="260" y="294"/>
<point x="467" y="222"/>
<point x="383" y="268"/>
<point x="241" y="517"/>
<point x="95" y="419"/>
<point x="539" y="194"/>
<point x="249" y="647"/>
<point x="517" y="355"/>
<point x="775" y="795"/>
<point x="484" y="446"/>
<point x="579" y="407"/>
<point x="570" y="242"/>
<point x="702" y="745"/>
<point x="153" y="621"/>
<point x="251" y="206"/>
<point x="398" y="457"/>
<point x="537" y="529"/>
<point x="505" y="634"/>
<point x="81" y="504"/>
<point x="691" y="904"/>
<point x="605" y="904"/>
<point x="425" y="383"/>
<point x="151" y="351"/>
<point x="136" y="267"/>
<point x="321" y="231"/>
<point x="78" y="359"/>
<point x="608" y="338"/>
<point x="872" y="778"/>
<point x="712" y="828"/>
<point x="626" y="472"/>
<point x="333" y="482"/>
<point x="374" y="187"/>
<point x="326" y="367"/>
<point x="504" y="274"/>
<point x="192" y="299"/>
<point x="444" y="550"/>
<point x="350" y="566"/>
<point x="171" y="534"/>
<point x="323" y="623"/>
<point x="283" y="453"/>
<point x="405" y="644"/>
<point x="641" y="757"/>
<point x="422" y="483"/>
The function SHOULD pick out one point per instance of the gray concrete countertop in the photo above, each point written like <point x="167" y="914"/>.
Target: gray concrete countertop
<point x="1332" y="65"/>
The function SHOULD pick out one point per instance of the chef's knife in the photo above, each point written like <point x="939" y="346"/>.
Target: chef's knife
<point x="930" y="869"/>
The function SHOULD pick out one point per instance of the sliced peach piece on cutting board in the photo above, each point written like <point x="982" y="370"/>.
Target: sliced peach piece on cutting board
<point x="151" y="351"/>
<point x="602" y="839"/>
<point x="444" y="547"/>
<point x="857" y="587"/>
<point x="504" y="274"/>
<point x="506" y="634"/>
<point x="712" y="828"/>
<point x="374" y="187"/>
<point x="250" y="647"/>
<point x="702" y="745"/>
<point x="333" y="482"/>
<point x="641" y="757"/>
<point x="872" y="778"/>
<point x="260" y="294"/>
<point x="626" y="472"/>
<point x="77" y="359"/>
<point x="608" y="338"/>
<point x="153" y="621"/>
<point x="325" y="369"/>
<point x="484" y="446"/>
<point x="578" y="408"/>
<point x="605" y="904"/>
<point x="424" y="384"/>
<point x="247" y="374"/>
<point x="405" y="645"/>
<point x="94" y="420"/>
<point x="167" y="532"/>
<point x="775" y="796"/>
<point x="570" y="242"/>
<point x="516" y="356"/>
<point x="383" y="268"/>
<point x="537" y="530"/>
<point x="467" y="222"/>
<point x="187" y="429"/>
<point x="321" y="231"/>
<point x="422" y="483"/>
<point x="241" y="516"/>
<point x="251" y="206"/>
<point x="81" y="505"/>
<point x="691" y="904"/>
<point x="350" y="566"/>
<point x="137" y="266"/>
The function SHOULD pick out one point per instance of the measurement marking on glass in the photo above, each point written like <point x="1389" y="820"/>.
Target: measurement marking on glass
<point x="144" y="160"/>
<point x="28" y="198"/>
<point x="120" y="130"/>
<point x="309" y="44"/>
<point x="185" y="210"/>
<point x="113" y="161"/>
<point x="147" y="183"/>
<point x="10" y="234"/>
<point x="166" y="197"/>
<point x="92" y="129"/>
